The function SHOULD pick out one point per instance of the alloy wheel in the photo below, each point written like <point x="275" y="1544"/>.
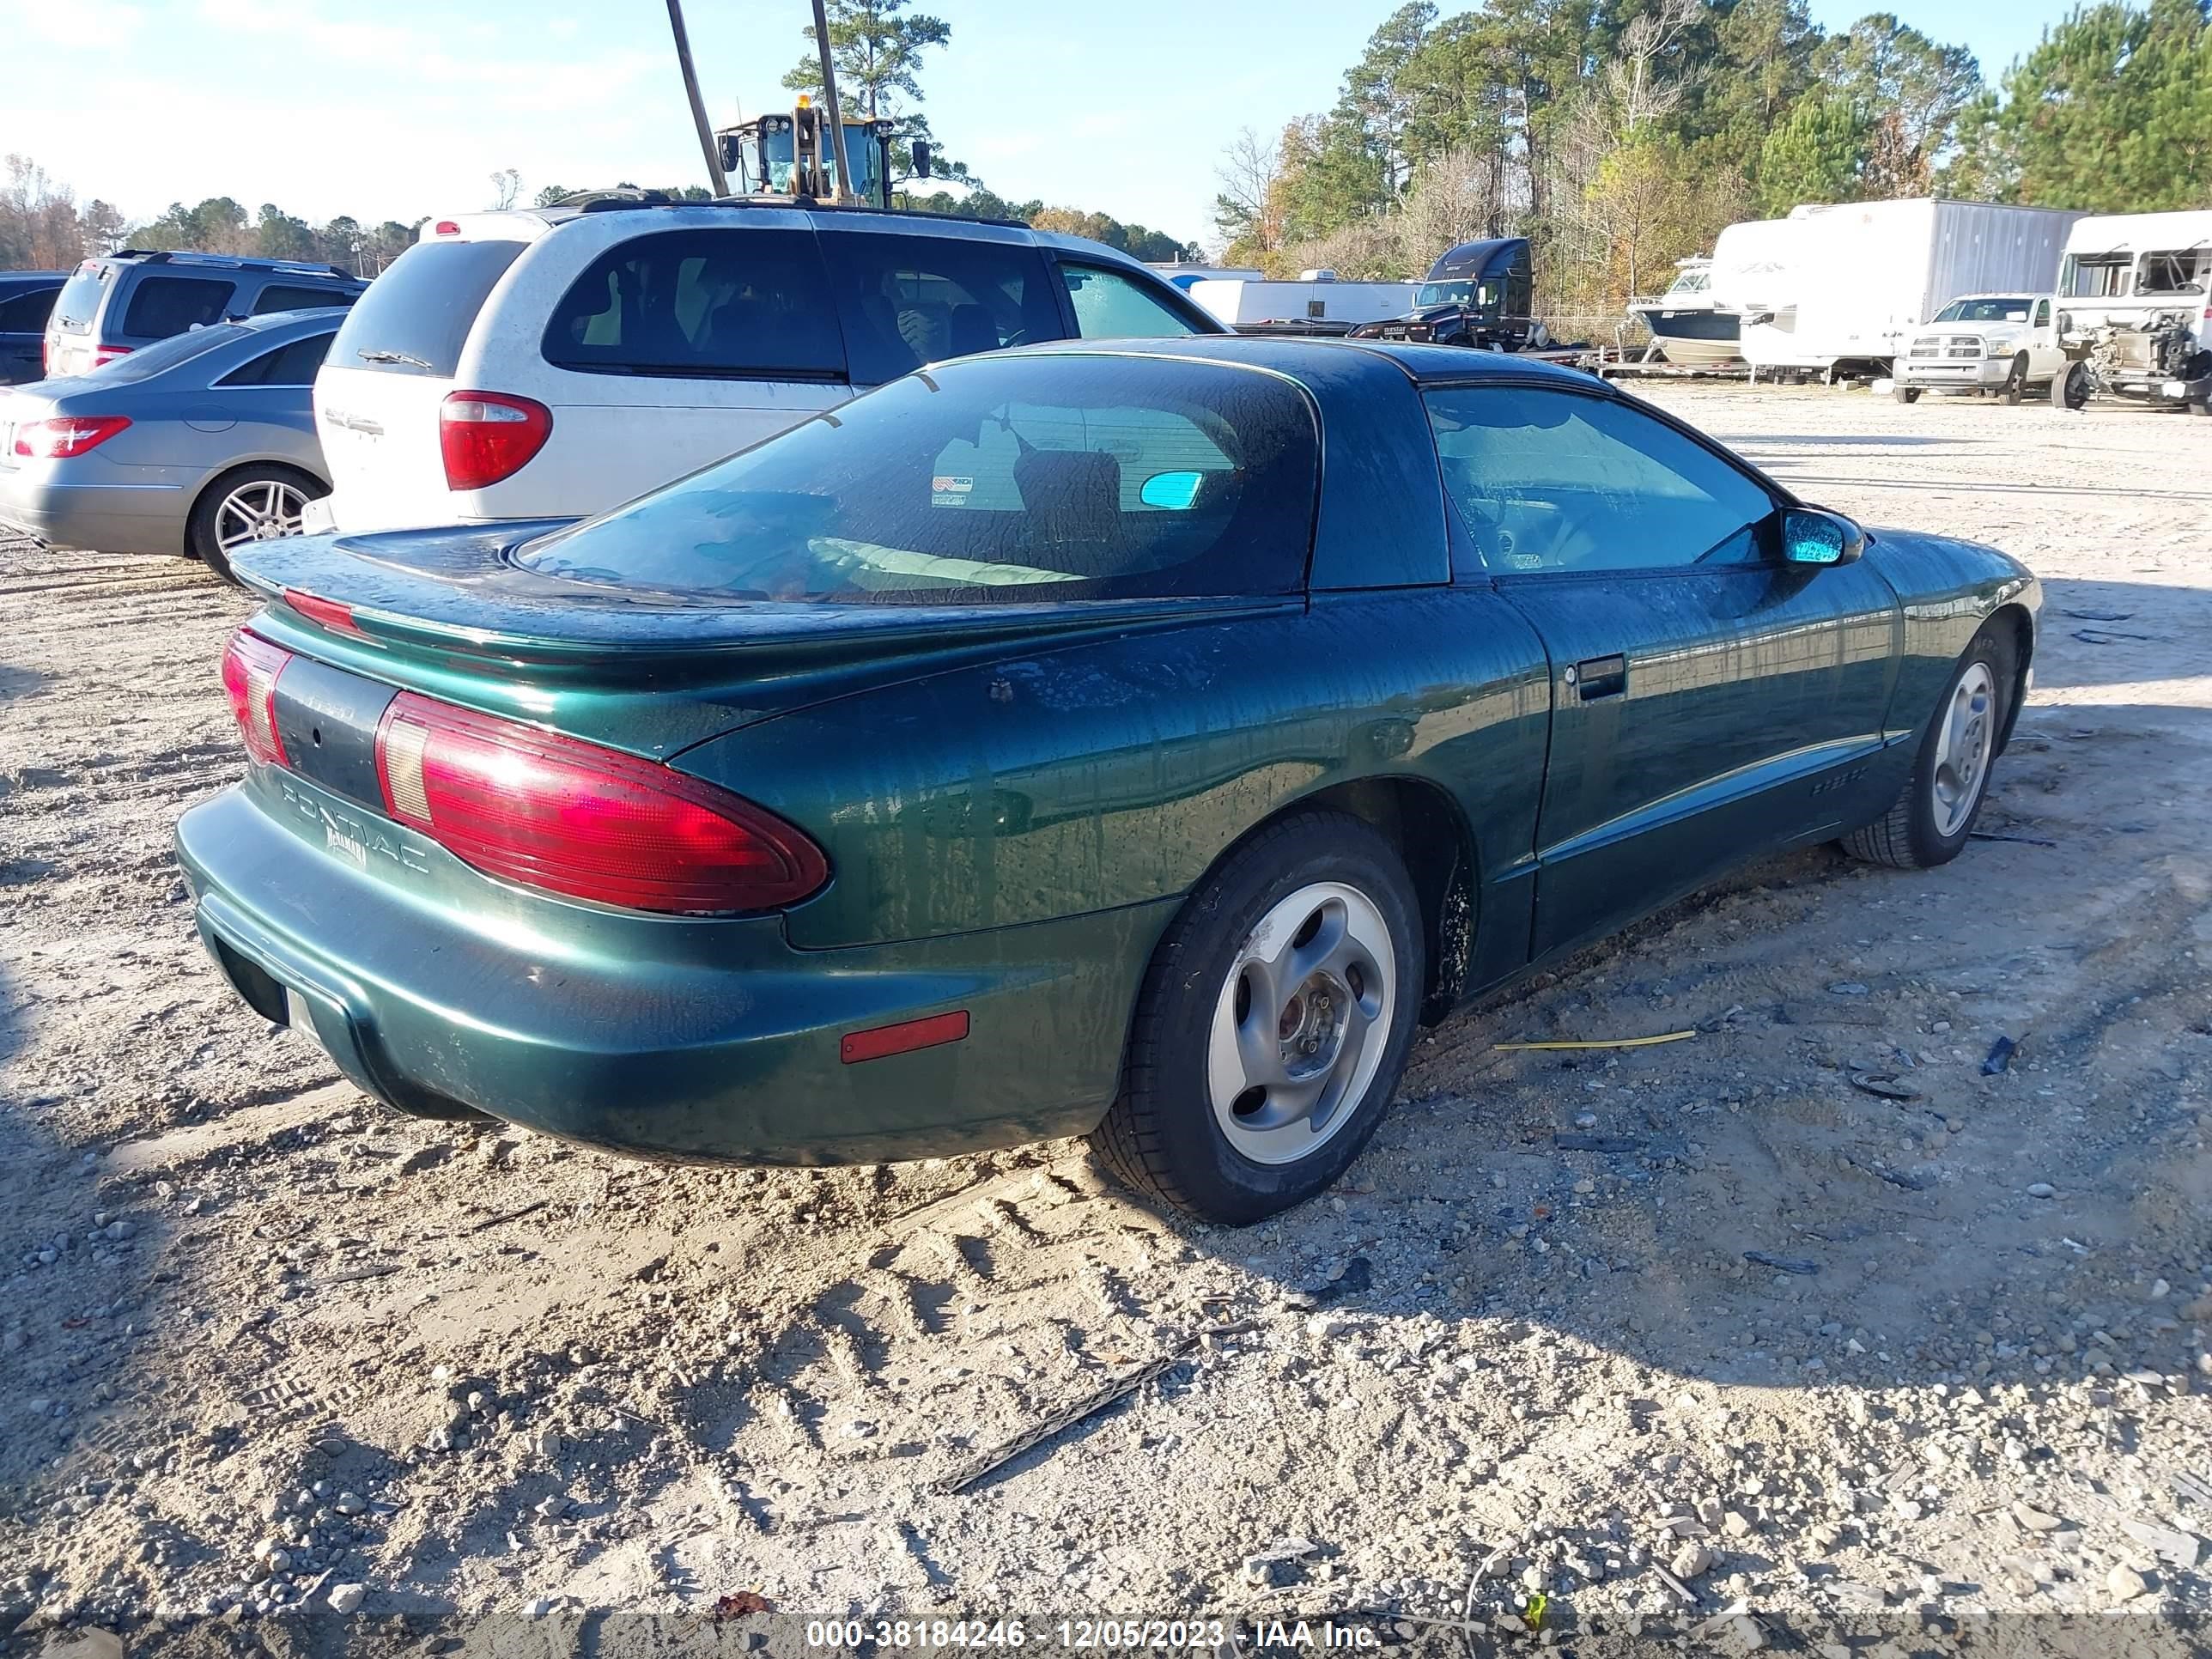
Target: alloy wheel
<point x="260" y="510"/>
<point x="1965" y="733"/>
<point x="1301" y="1023"/>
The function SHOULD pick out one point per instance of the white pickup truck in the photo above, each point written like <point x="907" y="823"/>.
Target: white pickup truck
<point x="1999" y="343"/>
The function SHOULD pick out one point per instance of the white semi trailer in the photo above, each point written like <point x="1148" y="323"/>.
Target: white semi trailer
<point x="1834" y="289"/>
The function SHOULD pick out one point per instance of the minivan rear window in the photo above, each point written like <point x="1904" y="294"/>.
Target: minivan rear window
<point x="1006" y="480"/>
<point x="163" y="306"/>
<point x="748" y="303"/>
<point x="78" y="302"/>
<point x="416" y="318"/>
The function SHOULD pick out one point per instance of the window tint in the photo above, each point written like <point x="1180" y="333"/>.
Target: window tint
<point x="276" y="298"/>
<point x="26" y="313"/>
<point x="906" y="300"/>
<point x="415" y="318"/>
<point x="163" y="306"/>
<point x="1109" y="306"/>
<point x="1553" y="481"/>
<point x="700" y="303"/>
<point x="78" y="303"/>
<point x="2043" y="314"/>
<point x="288" y="365"/>
<point x="1006" y="480"/>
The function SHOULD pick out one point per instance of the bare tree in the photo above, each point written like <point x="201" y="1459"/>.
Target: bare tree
<point x="1643" y="89"/>
<point x="506" y="184"/>
<point x="1247" y="211"/>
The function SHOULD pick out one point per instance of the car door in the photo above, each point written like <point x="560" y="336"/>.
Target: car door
<point x="272" y="397"/>
<point x="1709" y="701"/>
<point x="2043" y="355"/>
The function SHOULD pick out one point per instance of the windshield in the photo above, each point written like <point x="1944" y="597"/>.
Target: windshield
<point x="778" y="159"/>
<point x="1692" y="282"/>
<point x="1457" y="293"/>
<point x="1002" y="480"/>
<point x="2012" y="308"/>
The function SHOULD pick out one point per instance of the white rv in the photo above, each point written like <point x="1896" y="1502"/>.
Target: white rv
<point x="1317" y="303"/>
<point x="1834" y="289"/>
<point x="2135" y="309"/>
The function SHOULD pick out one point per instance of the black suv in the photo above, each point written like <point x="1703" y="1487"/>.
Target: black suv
<point x="113" y="306"/>
<point x="25" y="299"/>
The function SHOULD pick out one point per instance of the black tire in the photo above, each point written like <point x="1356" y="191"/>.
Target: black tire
<point x="1906" y="394"/>
<point x="2069" y="388"/>
<point x="2201" y="409"/>
<point x="1162" y="1136"/>
<point x="201" y="540"/>
<point x="1909" y="836"/>
<point x="2016" y="382"/>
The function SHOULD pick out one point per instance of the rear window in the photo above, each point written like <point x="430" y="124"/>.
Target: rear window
<point x="415" y="318"/>
<point x="275" y="298"/>
<point x="1023" y="480"/>
<point x="148" y="360"/>
<point x="701" y="304"/>
<point x="26" y="313"/>
<point x="288" y="365"/>
<point x="78" y="302"/>
<point x="906" y="300"/>
<point x="163" y="306"/>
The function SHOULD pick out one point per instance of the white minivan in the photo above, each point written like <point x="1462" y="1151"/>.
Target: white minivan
<point x="559" y="361"/>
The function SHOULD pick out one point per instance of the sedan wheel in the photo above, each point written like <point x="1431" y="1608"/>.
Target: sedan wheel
<point x="1301" y="1022"/>
<point x="1272" y="1024"/>
<point x="263" y="510"/>
<point x="263" y="502"/>
<point x="1965" y="732"/>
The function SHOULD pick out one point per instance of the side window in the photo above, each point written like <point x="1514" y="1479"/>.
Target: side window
<point x="2043" y="314"/>
<point x="701" y="304"/>
<point x="163" y="306"/>
<point x="1554" y="480"/>
<point x="906" y="300"/>
<point x="2168" y="273"/>
<point x="276" y="298"/>
<point x="1109" y="306"/>
<point x="26" y="313"/>
<point x="288" y="365"/>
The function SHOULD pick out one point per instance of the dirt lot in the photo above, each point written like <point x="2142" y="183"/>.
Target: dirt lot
<point x="260" y="1339"/>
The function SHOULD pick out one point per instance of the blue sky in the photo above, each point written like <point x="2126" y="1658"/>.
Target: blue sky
<point x="398" y="108"/>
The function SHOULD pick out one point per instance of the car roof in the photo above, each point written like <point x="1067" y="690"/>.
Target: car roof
<point x="532" y="222"/>
<point x="1309" y="359"/>
<point x="185" y="259"/>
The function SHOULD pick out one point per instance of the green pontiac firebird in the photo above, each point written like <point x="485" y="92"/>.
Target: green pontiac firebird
<point x="1133" y="740"/>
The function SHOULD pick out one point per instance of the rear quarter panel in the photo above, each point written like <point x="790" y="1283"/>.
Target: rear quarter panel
<point x="1050" y="784"/>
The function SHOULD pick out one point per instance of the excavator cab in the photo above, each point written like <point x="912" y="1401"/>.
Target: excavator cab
<point x="792" y="155"/>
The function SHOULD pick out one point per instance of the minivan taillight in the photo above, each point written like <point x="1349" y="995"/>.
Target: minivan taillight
<point x="570" y="818"/>
<point x="70" y="435"/>
<point x="101" y="355"/>
<point x="249" y="667"/>
<point x="487" y="436"/>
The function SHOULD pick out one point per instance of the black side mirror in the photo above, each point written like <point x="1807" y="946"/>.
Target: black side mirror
<point x="921" y="158"/>
<point x="732" y="152"/>
<point x="1814" y="535"/>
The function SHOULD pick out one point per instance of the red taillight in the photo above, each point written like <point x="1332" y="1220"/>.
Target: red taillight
<point x="327" y="613"/>
<point x="573" y="819"/>
<point x="249" y="667"/>
<point x="108" y="354"/>
<point x="446" y="227"/>
<point x="46" y="359"/>
<point x="486" y="436"/>
<point x="70" y="435"/>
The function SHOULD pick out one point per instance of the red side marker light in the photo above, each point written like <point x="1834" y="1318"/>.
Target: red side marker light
<point x="902" y="1038"/>
<point x="327" y="613"/>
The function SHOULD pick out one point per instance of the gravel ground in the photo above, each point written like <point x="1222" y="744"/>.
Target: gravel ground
<point x="1795" y="1357"/>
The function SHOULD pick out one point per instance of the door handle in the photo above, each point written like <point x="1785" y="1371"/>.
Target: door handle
<point x="1595" y="678"/>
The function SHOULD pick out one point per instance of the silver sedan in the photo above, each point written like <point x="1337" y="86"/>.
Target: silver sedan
<point x="195" y="445"/>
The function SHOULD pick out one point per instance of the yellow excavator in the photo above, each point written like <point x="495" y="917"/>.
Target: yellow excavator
<point x="796" y="155"/>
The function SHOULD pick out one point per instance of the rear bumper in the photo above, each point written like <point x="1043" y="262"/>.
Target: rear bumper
<point x="690" y="1054"/>
<point x="102" y="518"/>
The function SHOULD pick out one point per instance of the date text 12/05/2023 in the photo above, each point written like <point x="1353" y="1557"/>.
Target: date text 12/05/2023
<point x="1092" y="1635"/>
